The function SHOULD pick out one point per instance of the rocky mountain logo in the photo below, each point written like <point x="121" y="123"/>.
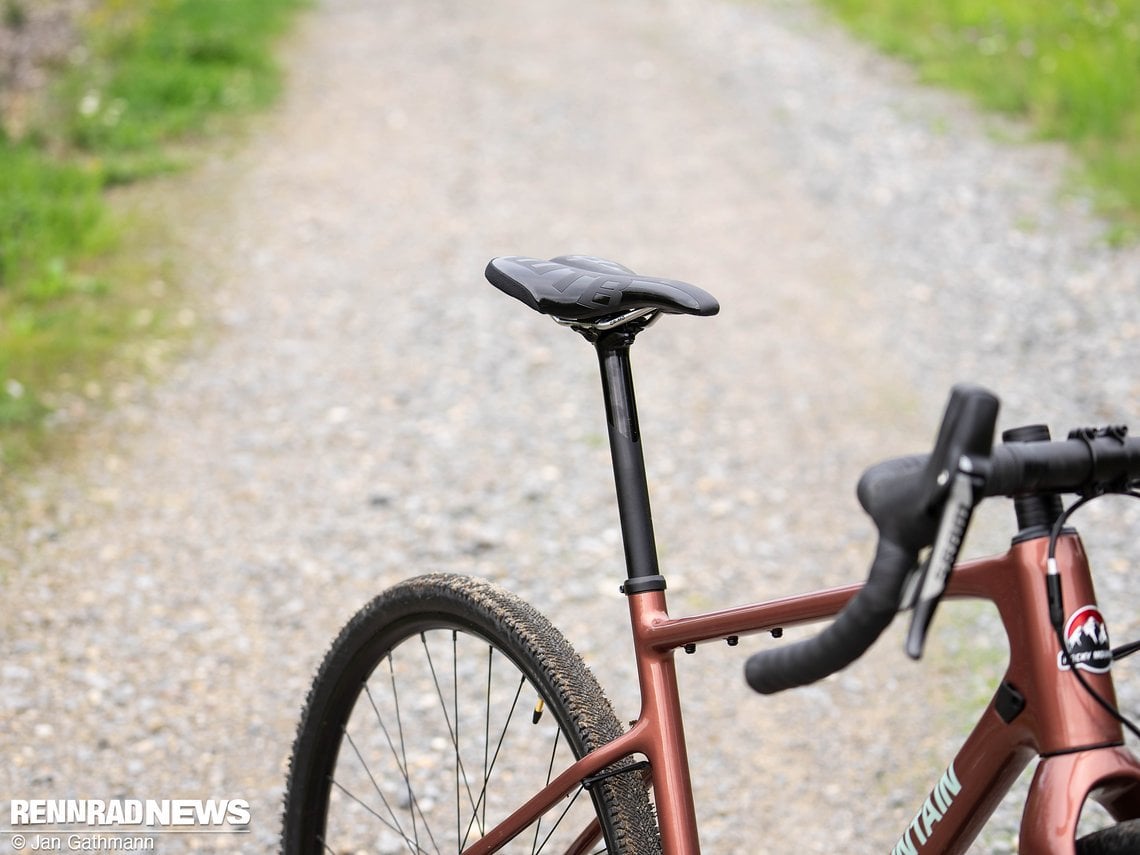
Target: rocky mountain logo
<point x="1086" y="637"/>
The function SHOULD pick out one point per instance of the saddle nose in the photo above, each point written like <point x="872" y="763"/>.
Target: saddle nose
<point x="581" y="287"/>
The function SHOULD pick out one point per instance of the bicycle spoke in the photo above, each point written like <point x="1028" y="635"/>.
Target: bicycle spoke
<point x="411" y="843"/>
<point x="487" y="728"/>
<point x="592" y="831"/>
<point x="549" y="771"/>
<point x="401" y="756"/>
<point x="395" y="824"/>
<point x="558" y="821"/>
<point x="495" y="757"/>
<point x="403" y="766"/>
<point x="455" y="696"/>
<point x="447" y="718"/>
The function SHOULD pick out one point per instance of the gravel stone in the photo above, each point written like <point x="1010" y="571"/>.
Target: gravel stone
<point x="368" y="408"/>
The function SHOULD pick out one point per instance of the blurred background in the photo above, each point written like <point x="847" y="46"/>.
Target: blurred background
<point x="250" y="371"/>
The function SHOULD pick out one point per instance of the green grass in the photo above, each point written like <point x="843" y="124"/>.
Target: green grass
<point x="1070" y="68"/>
<point x="158" y="77"/>
<point x="166" y="72"/>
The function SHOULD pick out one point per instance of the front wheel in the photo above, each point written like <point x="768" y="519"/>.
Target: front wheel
<point x="1120" y="839"/>
<point x="442" y="706"/>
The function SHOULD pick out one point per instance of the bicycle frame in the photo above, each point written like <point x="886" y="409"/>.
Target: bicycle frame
<point x="1039" y="709"/>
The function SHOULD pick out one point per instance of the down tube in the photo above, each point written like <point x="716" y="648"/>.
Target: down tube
<point x="970" y="789"/>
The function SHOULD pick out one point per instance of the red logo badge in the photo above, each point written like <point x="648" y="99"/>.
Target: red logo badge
<point x="1086" y="637"/>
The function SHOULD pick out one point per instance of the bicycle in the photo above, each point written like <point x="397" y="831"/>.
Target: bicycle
<point x="450" y="716"/>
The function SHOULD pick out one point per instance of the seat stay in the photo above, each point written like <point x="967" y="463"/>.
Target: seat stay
<point x="633" y="741"/>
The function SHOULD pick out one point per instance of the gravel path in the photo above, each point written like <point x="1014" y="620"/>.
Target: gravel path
<point x="371" y="409"/>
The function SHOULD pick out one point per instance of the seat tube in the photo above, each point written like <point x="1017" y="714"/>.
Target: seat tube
<point x="628" y="462"/>
<point x="664" y="743"/>
<point x="645" y="588"/>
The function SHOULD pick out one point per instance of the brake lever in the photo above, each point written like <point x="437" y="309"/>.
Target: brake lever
<point x="928" y="585"/>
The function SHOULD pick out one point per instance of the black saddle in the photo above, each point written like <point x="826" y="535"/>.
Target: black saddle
<point x="583" y="288"/>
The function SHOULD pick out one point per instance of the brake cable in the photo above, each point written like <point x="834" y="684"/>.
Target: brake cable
<point x="1056" y="607"/>
<point x="1125" y="650"/>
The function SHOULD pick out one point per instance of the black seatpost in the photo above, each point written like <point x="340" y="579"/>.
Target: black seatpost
<point x="629" y="463"/>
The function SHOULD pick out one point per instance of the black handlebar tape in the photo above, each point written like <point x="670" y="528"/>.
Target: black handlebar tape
<point x="904" y="497"/>
<point x="856" y="628"/>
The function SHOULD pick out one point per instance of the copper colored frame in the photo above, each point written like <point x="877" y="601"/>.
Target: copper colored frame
<point x="1080" y="745"/>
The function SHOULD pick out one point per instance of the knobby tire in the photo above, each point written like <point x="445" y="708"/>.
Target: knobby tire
<point x="1120" y="839"/>
<point x="441" y="706"/>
